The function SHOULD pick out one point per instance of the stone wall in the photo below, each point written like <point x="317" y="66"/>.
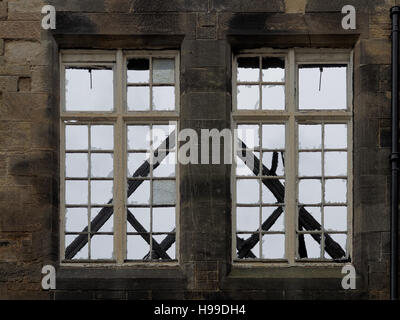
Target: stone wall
<point x="206" y="33"/>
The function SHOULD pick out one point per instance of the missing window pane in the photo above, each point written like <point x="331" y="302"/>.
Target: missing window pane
<point x="139" y="137"/>
<point x="135" y="161"/>
<point x="336" y="191"/>
<point x="160" y="133"/>
<point x="310" y="191"/>
<point x="246" y="169"/>
<point x="340" y="239"/>
<point x="83" y="253"/>
<point x="164" y="219"/>
<point x="313" y="248"/>
<point x="274" y="161"/>
<point x="76" y="165"/>
<point x="76" y="219"/>
<point x="167" y="166"/>
<point x="248" y="69"/>
<point x="273" y="136"/>
<point x="279" y="224"/>
<point x="164" y="98"/>
<point x="273" y="69"/>
<point x="335" y="136"/>
<point x="138" y="71"/>
<point x="138" y="98"/>
<point x="315" y="212"/>
<point x="335" y="218"/>
<point x="248" y="97"/>
<point x="248" y="191"/>
<point x="273" y="97"/>
<point x="106" y="227"/>
<point x="163" y="71"/>
<point x="310" y="164"/>
<point x="310" y="137"/>
<point x="102" y="247"/>
<point x="89" y="89"/>
<point x="143" y="216"/>
<point x="273" y="246"/>
<point x="335" y="163"/>
<point x="249" y="134"/>
<point x="102" y="165"/>
<point x="101" y="192"/>
<point x="247" y="219"/>
<point x="137" y="248"/>
<point x="76" y="192"/>
<point x="76" y="137"/>
<point x="255" y="251"/>
<point x="141" y="194"/>
<point x="102" y="137"/>
<point x="322" y="87"/>
<point x="267" y="196"/>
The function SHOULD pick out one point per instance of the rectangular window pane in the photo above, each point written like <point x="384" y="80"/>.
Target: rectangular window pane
<point x="138" y="70"/>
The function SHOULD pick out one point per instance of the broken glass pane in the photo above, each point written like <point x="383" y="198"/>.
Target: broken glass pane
<point x="310" y="164"/>
<point x="335" y="136"/>
<point x="102" y="165"/>
<point x="248" y="191"/>
<point x="101" y="192"/>
<point x="139" y="137"/>
<point x="76" y="192"/>
<point x="102" y="137"/>
<point x="143" y="216"/>
<point x="273" y="136"/>
<point x="76" y="137"/>
<point x="137" y="248"/>
<point x="335" y="163"/>
<point x="273" y="97"/>
<point x="310" y="137"/>
<point x="279" y="224"/>
<point x="76" y="165"/>
<point x="164" y="98"/>
<point x="269" y="159"/>
<point x="273" y="246"/>
<point x="249" y="134"/>
<point x="138" y="98"/>
<point x="164" y="219"/>
<point x="167" y="166"/>
<point x="141" y="194"/>
<point x="256" y="249"/>
<point x="135" y="160"/>
<point x="108" y="226"/>
<point x="138" y="71"/>
<point x="313" y="248"/>
<point x="89" y="89"/>
<point x="322" y="87"/>
<point x="336" y="191"/>
<point x="247" y="219"/>
<point x="163" y="71"/>
<point x="83" y="253"/>
<point x="172" y="251"/>
<point x="335" y="218"/>
<point x="102" y="247"/>
<point x="310" y="191"/>
<point x="164" y="192"/>
<point x="76" y="219"/>
<point x="273" y="69"/>
<point x="248" y="97"/>
<point x="248" y="69"/>
<point x="341" y="239"/>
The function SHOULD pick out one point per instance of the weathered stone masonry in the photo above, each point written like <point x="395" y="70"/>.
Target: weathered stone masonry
<point x="206" y="33"/>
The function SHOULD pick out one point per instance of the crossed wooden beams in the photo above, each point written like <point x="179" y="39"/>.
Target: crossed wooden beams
<point x="306" y="221"/>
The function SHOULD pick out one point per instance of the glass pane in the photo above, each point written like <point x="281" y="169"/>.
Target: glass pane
<point x="135" y="161"/>
<point x="102" y="137"/>
<point x="108" y="226"/>
<point x="335" y="136"/>
<point x="143" y="216"/>
<point x="273" y="246"/>
<point x="322" y="87"/>
<point x="102" y="165"/>
<point x="248" y="69"/>
<point x="164" y="98"/>
<point x="256" y="249"/>
<point x="249" y="134"/>
<point x="248" y="97"/>
<point x="101" y="192"/>
<point x="273" y="97"/>
<point x="336" y="191"/>
<point x="310" y="137"/>
<point x="273" y="136"/>
<point x="248" y="191"/>
<point x="312" y="246"/>
<point x="89" y="89"/>
<point x="246" y="169"/>
<point x="76" y="192"/>
<point x="164" y="192"/>
<point x="138" y="70"/>
<point x="102" y="247"/>
<point x="138" y="98"/>
<point x="335" y="218"/>
<point x="163" y="70"/>
<point x="141" y="194"/>
<point x="137" y="248"/>
<point x="310" y="164"/>
<point x="167" y="166"/>
<point x="139" y="137"/>
<point x="273" y="69"/>
<point x="76" y="137"/>
<point x="76" y="219"/>
<point x="83" y="253"/>
<point x="335" y="163"/>
<point x="341" y="239"/>
<point x="315" y="212"/>
<point x="279" y="224"/>
<point x="310" y="191"/>
<point x="247" y="219"/>
<point x="270" y="157"/>
<point x="163" y="219"/>
<point x="76" y="165"/>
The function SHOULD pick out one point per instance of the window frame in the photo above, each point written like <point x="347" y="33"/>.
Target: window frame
<point x="120" y="117"/>
<point x="291" y="116"/>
